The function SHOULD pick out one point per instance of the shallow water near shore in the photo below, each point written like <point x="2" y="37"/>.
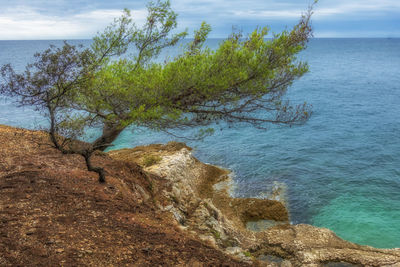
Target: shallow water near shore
<point x="341" y="169"/>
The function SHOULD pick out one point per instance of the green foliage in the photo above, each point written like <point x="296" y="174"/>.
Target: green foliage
<point x="200" y="86"/>
<point x="216" y="234"/>
<point x="115" y="39"/>
<point x="247" y="254"/>
<point x="200" y="36"/>
<point x="150" y="160"/>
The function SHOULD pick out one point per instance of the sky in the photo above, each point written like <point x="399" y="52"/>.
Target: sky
<point x="81" y="19"/>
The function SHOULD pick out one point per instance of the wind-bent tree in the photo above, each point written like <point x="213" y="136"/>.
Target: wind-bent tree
<point x="242" y="81"/>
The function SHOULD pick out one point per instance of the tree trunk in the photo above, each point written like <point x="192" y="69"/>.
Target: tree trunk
<point x="110" y="133"/>
<point x="100" y="171"/>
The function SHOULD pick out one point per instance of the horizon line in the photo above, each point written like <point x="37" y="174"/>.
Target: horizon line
<point x="87" y="39"/>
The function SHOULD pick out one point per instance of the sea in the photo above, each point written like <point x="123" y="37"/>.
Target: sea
<point x="340" y="170"/>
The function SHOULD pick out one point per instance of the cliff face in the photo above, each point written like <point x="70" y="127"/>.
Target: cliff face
<point x="202" y="206"/>
<point x="160" y="206"/>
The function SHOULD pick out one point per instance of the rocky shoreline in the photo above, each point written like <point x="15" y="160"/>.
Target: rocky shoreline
<point x="201" y="205"/>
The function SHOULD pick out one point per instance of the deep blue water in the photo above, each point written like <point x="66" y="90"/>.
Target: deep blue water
<point x="341" y="169"/>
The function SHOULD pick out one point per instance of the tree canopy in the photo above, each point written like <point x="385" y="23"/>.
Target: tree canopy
<point x="242" y="81"/>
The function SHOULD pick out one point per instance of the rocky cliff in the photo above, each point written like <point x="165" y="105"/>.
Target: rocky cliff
<point x="202" y="206"/>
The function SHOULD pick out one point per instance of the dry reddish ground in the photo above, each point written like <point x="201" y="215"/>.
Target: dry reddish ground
<point x="53" y="212"/>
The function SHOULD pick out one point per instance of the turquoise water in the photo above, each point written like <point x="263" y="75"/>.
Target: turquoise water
<point x="341" y="169"/>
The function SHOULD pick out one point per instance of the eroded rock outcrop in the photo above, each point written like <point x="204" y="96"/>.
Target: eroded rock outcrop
<point x="202" y="206"/>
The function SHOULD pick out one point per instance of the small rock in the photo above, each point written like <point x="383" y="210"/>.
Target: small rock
<point x="208" y="239"/>
<point x="59" y="250"/>
<point x="233" y="250"/>
<point x="182" y="228"/>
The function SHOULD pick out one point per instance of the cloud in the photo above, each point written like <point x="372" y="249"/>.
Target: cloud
<point x="279" y="14"/>
<point x="25" y="23"/>
<point x="364" y="9"/>
<point x="281" y="10"/>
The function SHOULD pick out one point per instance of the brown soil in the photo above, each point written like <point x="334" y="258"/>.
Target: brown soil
<point x="54" y="212"/>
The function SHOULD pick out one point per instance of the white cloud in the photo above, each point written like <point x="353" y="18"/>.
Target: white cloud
<point x="265" y="14"/>
<point x="24" y="23"/>
<point x="365" y="8"/>
<point x="253" y="9"/>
